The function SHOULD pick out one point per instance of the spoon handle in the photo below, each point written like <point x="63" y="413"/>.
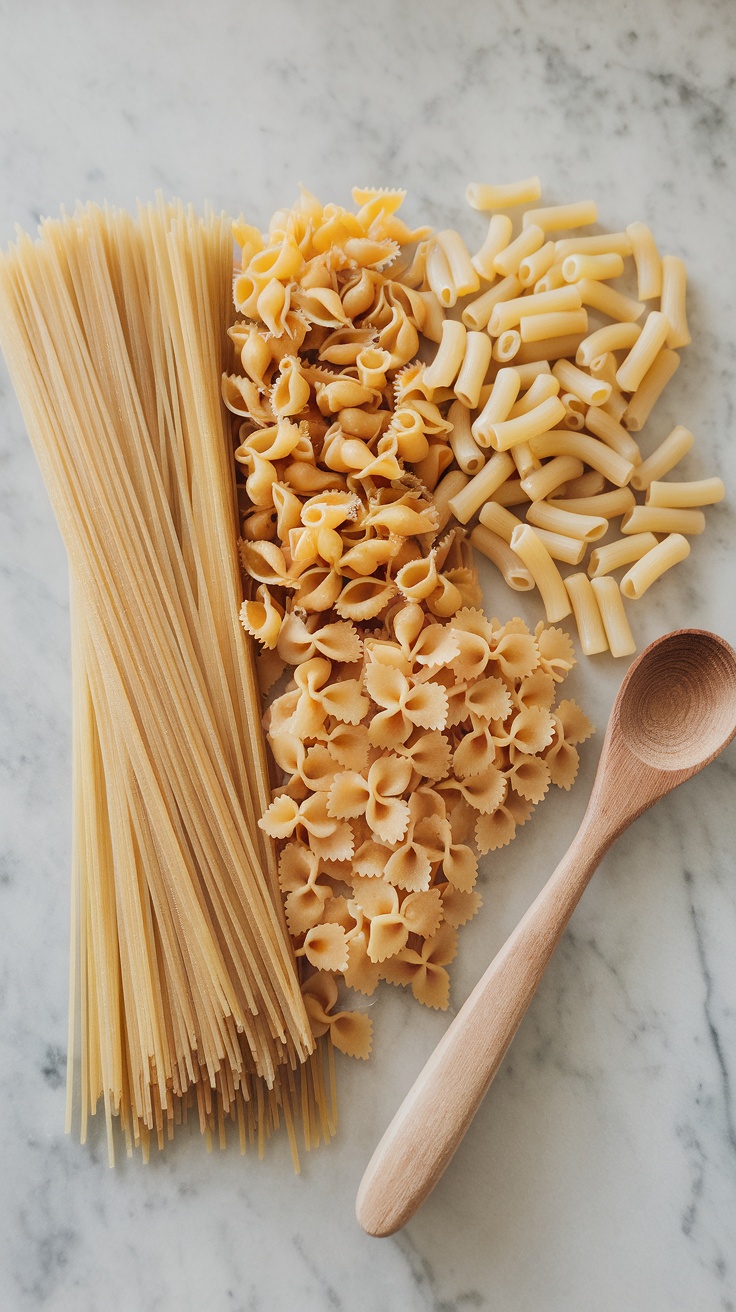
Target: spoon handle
<point x="435" y="1114"/>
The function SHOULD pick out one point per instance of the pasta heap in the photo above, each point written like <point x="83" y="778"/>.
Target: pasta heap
<point x="415" y="732"/>
<point x="182" y="966"/>
<point x="521" y="405"/>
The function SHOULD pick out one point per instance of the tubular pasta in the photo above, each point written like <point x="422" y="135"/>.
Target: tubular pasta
<point x="561" y="442"/>
<point x="468" y="454"/>
<point x="612" y="613"/>
<point x="609" y="301"/>
<point x="483" y="196"/>
<point x="497" y="239"/>
<point x="650" y="389"/>
<point x="607" y="504"/>
<point x="643" y="353"/>
<point x="552" y="218"/>
<point x="586" y="527"/>
<point x="650" y="567"/>
<point x="539" y="327"/>
<point x="444" y="368"/>
<point x="543" y="481"/>
<point x="661" y="461"/>
<point x="508" y="260"/>
<point x="476" y="314"/>
<point x="592" y="391"/>
<point x="674" y="283"/>
<point x="662" y="519"/>
<point x="646" y="258"/>
<point x="464" y="503"/>
<point x="527" y="427"/>
<point x="513" y="569"/>
<point x="533" y="267"/>
<point x="603" y="425"/>
<point x="464" y="277"/>
<point x="473" y="369"/>
<point x="622" y="552"/>
<point x="544" y="572"/>
<point x="599" y="267"/>
<point x="613" y="337"/>
<point x="508" y="313"/>
<point x="701" y="492"/>
<point x="561" y="547"/>
<point x="590" y="627"/>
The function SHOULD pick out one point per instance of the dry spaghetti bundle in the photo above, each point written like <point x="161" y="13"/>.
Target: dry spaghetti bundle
<point x="115" y="334"/>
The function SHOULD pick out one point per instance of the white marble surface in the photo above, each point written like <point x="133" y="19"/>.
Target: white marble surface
<point x="600" y="1174"/>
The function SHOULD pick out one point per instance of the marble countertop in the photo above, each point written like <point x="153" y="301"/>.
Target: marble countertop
<point x="600" y="1174"/>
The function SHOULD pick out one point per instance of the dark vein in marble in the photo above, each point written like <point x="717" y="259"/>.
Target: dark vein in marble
<point x="707" y="1007"/>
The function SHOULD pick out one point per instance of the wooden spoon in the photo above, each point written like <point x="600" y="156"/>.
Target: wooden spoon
<point x="675" y="711"/>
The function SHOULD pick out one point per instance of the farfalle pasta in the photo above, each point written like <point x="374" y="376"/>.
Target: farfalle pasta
<point x="414" y="733"/>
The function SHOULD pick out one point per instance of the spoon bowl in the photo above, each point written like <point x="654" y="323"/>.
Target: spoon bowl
<point x="675" y="711"/>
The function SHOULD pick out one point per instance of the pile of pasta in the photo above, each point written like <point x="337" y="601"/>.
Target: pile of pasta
<point x="415" y="732"/>
<point x="510" y="381"/>
<point x="405" y="753"/>
<point x="182" y="967"/>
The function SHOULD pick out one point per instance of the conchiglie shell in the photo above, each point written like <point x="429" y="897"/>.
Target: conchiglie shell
<point x="265" y="562"/>
<point x="364" y="599"/>
<point x="260" y="524"/>
<point x="317" y="589"/>
<point x="290" y="392"/>
<point x="418" y="579"/>
<point x="304" y="477"/>
<point x="446" y="599"/>
<point x="262" y="618"/>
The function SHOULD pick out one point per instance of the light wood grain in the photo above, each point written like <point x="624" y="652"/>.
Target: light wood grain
<point x="675" y="711"/>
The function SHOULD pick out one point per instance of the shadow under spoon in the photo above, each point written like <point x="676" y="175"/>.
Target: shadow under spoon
<point x="675" y="711"/>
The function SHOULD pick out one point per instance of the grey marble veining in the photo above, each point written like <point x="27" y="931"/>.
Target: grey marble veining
<point x="600" y="1175"/>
